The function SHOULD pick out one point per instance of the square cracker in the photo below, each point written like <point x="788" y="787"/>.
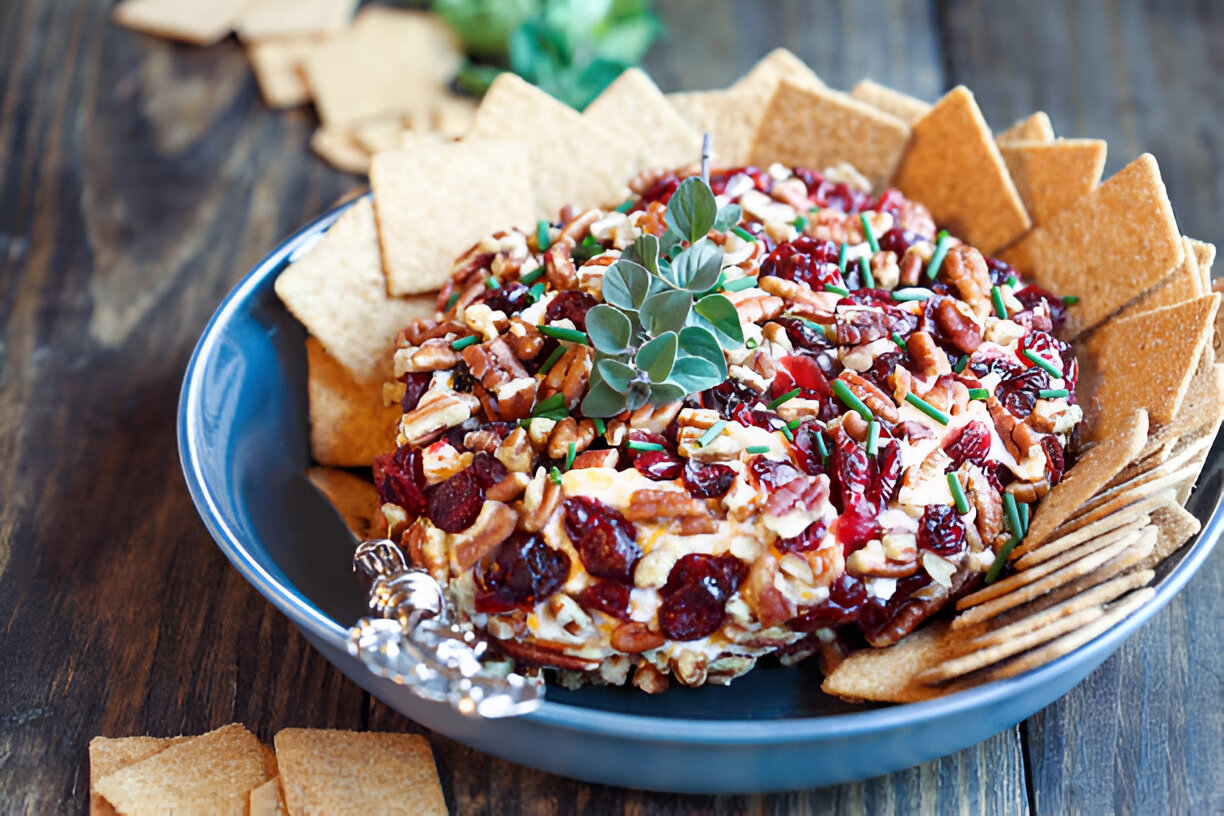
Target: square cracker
<point x="1113" y="245"/>
<point x="349" y="425"/>
<point x="354" y="498"/>
<point x="339" y="293"/>
<point x="1051" y="176"/>
<point x="278" y="18"/>
<point x="730" y="118"/>
<point x="953" y="166"/>
<point x="1205" y="254"/>
<point x="110" y="754"/>
<point x="358" y="772"/>
<point x="817" y="128"/>
<point x="1033" y="128"/>
<point x="1175" y="526"/>
<point x="779" y="64"/>
<point x="212" y="773"/>
<point x="907" y="108"/>
<point x="636" y="111"/>
<point x="388" y="61"/>
<point x="1162" y="348"/>
<point x="1182" y="286"/>
<point x="278" y="68"/>
<point x="339" y="149"/>
<point x="435" y="201"/>
<point x="186" y="20"/>
<point x="887" y="675"/>
<point x="573" y="161"/>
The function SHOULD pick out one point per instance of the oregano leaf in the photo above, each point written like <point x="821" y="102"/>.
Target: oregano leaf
<point x="728" y="216"/>
<point x="697" y="341"/>
<point x="644" y="251"/>
<point x="665" y="311"/>
<point x="602" y="401"/>
<point x="698" y="267"/>
<point x="609" y="328"/>
<point x="695" y="374"/>
<point x="626" y="284"/>
<point x="663" y="393"/>
<point x="692" y="209"/>
<point x="616" y="374"/>
<point x="723" y="318"/>
<point x="657" y="356"/>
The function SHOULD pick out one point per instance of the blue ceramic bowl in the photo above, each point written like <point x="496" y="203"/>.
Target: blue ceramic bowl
<point x="244" y="443"/>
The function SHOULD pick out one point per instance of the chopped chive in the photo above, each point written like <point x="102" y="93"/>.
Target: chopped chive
<point x="1070" y="300"/>
<point x="536" y="291"/>
<point x="1045" y="364"/>
<point x="900" y="341"/>
<point x="903" y="295"/>
<point x="873" y="437"/>
<point x="794" y="423"/>
<point x="542" y="239"/>
<point x="554" y="475"/>
<point x="813" y="210"/>
<point x="532" y="276"/>
<point x="1024" y="518"/>
<point x="740" y="285"/>
<point x="464" y="342"/>
<point x="837" y="290"/>
<point x="600" y="427"/>
<point x="841" y="261"/>
<point x="865" y="272"/>
<point x="961" y="363"/>
<point x="711" y="433"/>
<point x="492" y="282"/>
<point x="928" y="409"/>
<point x="1052" y="393"/>
<point x="958" y="495"/>
<point x="996" y="297"/>
<point x="572" y="335"/>
<point x="757" y="449"/>
<point x="751" y="343"/>
<point x="800" y="224"/>
<point x="745" y="234"/>
<point x="851" y="400"/>
<point x="992" y="574"/>
<point x="787" y="397"/>
<point x="1013" y="515"/>
<point x="552" y="360"/>
<point x="786" y="431"/>
<point x="644" y="446"/>
<point x="625" y="206"/>
<point x="979" y="393"/>
<point x="549" y="405"/>
<point x="870" y="233"/>
<point x="941" y="249"/>
<point x="1011" y="281"/>
<point x="569" y="456"/>
<point x="450" y="301"/>
<point x="824" y="450"/>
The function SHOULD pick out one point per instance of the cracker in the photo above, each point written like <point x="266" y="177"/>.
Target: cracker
<point x="1033" y="128"/>
<point x="1185" y="284"/>
<point x="340" y="150"/>
<point x="1148" y="360"/>
<point x="1113" y="245"/>
<point x="1175" y="526"/>
<point x="278" y="69"/>
<point x="814" y="127"/>
<point x="358" y="772"/>
<point x="212" y="773"/>
<point x="279" y="18"/>
<point x="354" y="498"/>
<point x="1051" y="176"/>
<point x="1081" y="482"/>
<point x="953" y="166"/>
<point x="266" y="800"/>
<point x="1171" y="471"/>
<point x="888" y="674"/>
<point x="435" y="201"/>
<point x="452" y="116"/>
<point x="1205" y="254"/>
<point x="730" y="118"/>
<point x="1185" y="486"/>
<point x="907" y="108"/>
<point x="1106" y="532"/>
<point x="573" y="161"/>
<point x="380" y="134"/>
<point x="1070" y="642"/>
<point x="349" y="425"/>
<point x="1202" y="407"/>
<point x="778" y="65"/>
<point x="1123" y="501"/>
<point x="388" y="61"/>
<point x="634" y="109"/>
<point x="110" y="754"/>
<point x="339" y="294"/>
<point x="186" y="20"/>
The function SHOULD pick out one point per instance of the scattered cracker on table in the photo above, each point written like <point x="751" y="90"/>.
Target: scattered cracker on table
<point x="907" y="108"/>
<point x="279" y="18"/>
<point x="185" y="20"/>
<point x="967" y="189"/>
<point x="1033" y="128"/>
<point x="1051" y="176"/>
<point x="349" y="424"/>
<point x="278" y="68"/>
<point x="339" y="149"/>
<point x="110" y="754"/>
<point x="636" y="111"/>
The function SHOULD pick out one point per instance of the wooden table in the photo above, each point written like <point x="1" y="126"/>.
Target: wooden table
<point x="139" y="180"/>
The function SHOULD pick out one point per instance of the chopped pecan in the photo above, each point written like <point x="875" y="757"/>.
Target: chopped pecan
<point x="803" y="301"/>
<point x="689" y="667"/>
<point x="493" y="526"/>
<point x="964" y="269"/>
<point x="566" y="611"/>
<point x="509" y="488"/>
<point x="515" y="451"/>
<point x="657" y="505"/>
<point x="655" y="418"/>
<point x="545" y="653"/>
<point x="803" y="493"/>
<point x="948" y="394"/>
<point x="915" y="217"/>
<point x="539" y="502"/>
<point x="913" y="431"/>
<point x="792" y="191"/>
<point x="929" y="358"/>
<point x="860" y="564"/>
<point x="569" y="376"/>
<point x="831" y="225"/>
<point x="437" y="411"/>
<point x="930" y="467"/>
<point x="634" y="637"/>
<point x="1029" y="491"/>
<point x="698" y="525"/>
<point x="570" y="432"/>
<point x="987" y="501"/>
<point x="911" y="267"/>
<point x="1017" y="436"/>
<point x="885" y="270"/>
<point x="880" y="403"/>
<point x="524" y="339"/>
<point x="857" y="326"/>
<point x="596" y="458"/>
<point x="769" y="605"/>
<point x="763" y="363"/>
<point x="425" y="328"/>
<point x="559" y="267"/>
<point x="962" y="332"/>
<point x="649" y="679"/>
<point x="760" y="307"/>
<point x="487" y="439"/>
<point x="578" y="226"/>
<point x="468" y="295"/>
<point x="854" y="425"/>
<point x="432" y="355"/>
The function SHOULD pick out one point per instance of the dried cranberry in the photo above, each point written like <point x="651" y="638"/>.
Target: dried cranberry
<point x="659" y="465"/>
<point x="771" y="474"/>
<point x="811" y="538"/>
<point x="1019" y="393"/>
<point x="941" y="530"/>
<point x="761" y="180"/>
<point x="400" y="480"/>
<point x="605" y="540"/>
<point x="455" y="502"/>
<point x="510" y="298"/>
<point x="522" y="571"/>
<point x="801" y="370"/>
<point x="857" y="524"/>
<point x="661" y="190"/>
<point x="757" y="418"/>
<point x="882" y="367"/>
<point x="970" y="444"/>
<point x="852" y="467"/>
<point x="607" y="597"/>
<point x="695" y="594"/>
<point x="899" y="240"/>
<point x="858" y="326"/>
<point x="728" y="396"/>
<point x="839" y="196"/>
<point x="989" y="360"/>
<point x="1055" y="461"/>
<point x="571" y="304"/>
<point x="708" y="481"/>
<point x="462" y="379"/>
<point x="877" y="614"/>
<point x="723" y="572"/>
<point x="999" y="271"/>
<point x="487" y="470"/>
<point x="803" y="335"/>
<point x="890" y="201"/>
<point x="1046" y="345"/>
<point x="807" y="443"/>
<point x="846" y="598"/>
<point x="805" y="260"/>
<point x="1033" y="295"/>
<point x="415" y="386"/>
<point x="886" y="478"/>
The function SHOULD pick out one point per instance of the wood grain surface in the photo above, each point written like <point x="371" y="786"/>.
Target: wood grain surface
<point x="140" y="179"/>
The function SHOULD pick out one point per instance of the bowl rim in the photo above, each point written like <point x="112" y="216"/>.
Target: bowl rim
<point x="725" y="731"/>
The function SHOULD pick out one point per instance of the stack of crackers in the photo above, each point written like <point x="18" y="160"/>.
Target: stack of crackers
<point x="229" y="771"/>
<point x="372" y="77"/>
<point x="1142" y="325"/>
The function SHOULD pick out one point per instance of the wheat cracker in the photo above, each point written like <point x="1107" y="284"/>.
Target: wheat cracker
<point x="339" y="149"/>
<point x="279" y="18"/>
<point x="634" y="109"/>
<point x="278" y="68"/>
<point x="1051" y="176"/>
<point x="907" y="108"/>
<point x="888" y="674"/>
<point x="349" y="424"/>
<point x="1033" y="128"/>
<point x="185" y="20"/>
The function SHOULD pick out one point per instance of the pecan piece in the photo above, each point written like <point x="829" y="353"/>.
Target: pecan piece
<point x="769" y="605"/>
<point x="635" y="637"/>
<point x="880" y="403"/>
<point x="803" y="301"/>
<point x="649" y="679"/>
<point x="509" y="488"/>
<point x="437" y="411"/>
<point x="960" y="330"/>
<point x="432" y="355"/>
<point x="1016" y="435"/>
<point x="524" y="339"/>
<point x="559" y="267"/>
<point x="964" y="269"/>
<point x="655" y="418"/>
<point x="885" y="270"/>
<point x="539" y="501"/>
<point x="596" y="458"/>
<point x="758" y="308"/>
<point x="579" y="226"/>
<point x="425" y="328"/>
<point x="929" y="358"/>
<point x="1029" y="491"/>
<point x="569" y="376"/>
<point x="858" y="326"/>
<point x="545" y="653"/>
<point x="569" y="431"/>
<point x="515" y="451"/>
<point x="689" y="667"/>
<point x="987" y="501"/>
<point x="911" y="267"/>
<point x="493" y="526"/>
<point x="656" y="505"/>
